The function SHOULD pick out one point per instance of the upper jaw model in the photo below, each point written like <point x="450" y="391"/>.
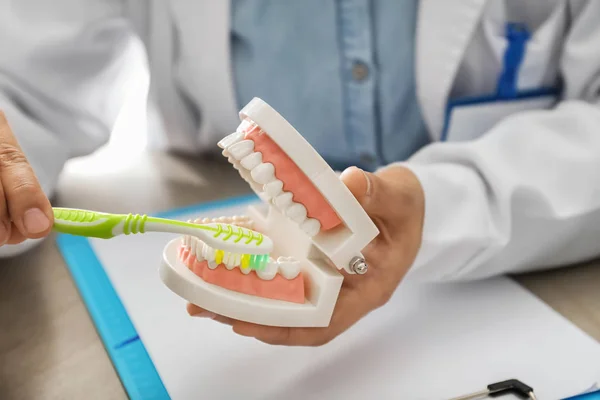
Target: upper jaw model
<point x="316" y="224"/>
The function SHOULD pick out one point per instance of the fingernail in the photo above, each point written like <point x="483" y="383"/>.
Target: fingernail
<point x="35" y="221"/>
<point x="347" y="171"/>
<point x="4" y="235"/>
<point x="205" y="314"/>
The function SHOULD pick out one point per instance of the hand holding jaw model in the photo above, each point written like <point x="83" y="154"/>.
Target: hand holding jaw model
<point x="316" y="221"/>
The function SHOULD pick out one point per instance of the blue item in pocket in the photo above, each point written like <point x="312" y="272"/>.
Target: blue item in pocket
<point x="517" y="35"/>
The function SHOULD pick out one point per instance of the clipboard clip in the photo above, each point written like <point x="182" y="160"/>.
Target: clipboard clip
<point x="511" y="386"/>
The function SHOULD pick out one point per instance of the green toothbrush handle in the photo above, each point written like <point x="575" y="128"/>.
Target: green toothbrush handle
<point x="105" y="226"/>
<point x="97" y="224"/>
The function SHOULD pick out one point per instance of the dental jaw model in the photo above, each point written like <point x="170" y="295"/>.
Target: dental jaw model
<point x="316" y="225"/>
<point x="278" y="279"/>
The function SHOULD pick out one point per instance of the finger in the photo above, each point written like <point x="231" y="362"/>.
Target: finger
<point x="349" y="309"/>
<point x="368" y="189"/>
<point x="28" y="206"/>
<point x="195" y="311"/>
<point x="357" y="181"/>
<point x="225" y="320"/>
<point x="16" y="237"/>
<point x="5" y="223"/>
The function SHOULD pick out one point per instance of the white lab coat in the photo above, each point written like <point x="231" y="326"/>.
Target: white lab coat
<point x="514" y="187"/>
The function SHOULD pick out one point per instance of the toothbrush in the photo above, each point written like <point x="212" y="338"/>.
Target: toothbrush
<point x="253" y="247"/>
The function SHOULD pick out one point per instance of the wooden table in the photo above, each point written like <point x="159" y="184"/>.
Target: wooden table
<point x="49" y="348"/>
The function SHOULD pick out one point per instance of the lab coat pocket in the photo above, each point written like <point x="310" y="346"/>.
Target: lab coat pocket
<point x="468" y="119"/>
<point x="528" y="81"/>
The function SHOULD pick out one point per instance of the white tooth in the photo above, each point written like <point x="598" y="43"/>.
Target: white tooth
<point x="185" y="240"/>
<point x="263" y="174"/>
<point x="229" y="158"/>
<point x="229" y="261"/>
<point x="240" y="219"/>
<point x="208" y="252"/>
<point x="269" y="271"/>
<point x="199" y="252"/>
<point x="230" y="139"/>
<point x="225" y="260"/>
<point x="245" y="271"/>
<point x="212" y="264"/>
<point x="223" y="220"/>
<point x="284" y="200"/>
<point x="296" y="212"/>
<point x="245" y="174"/>
<point x="289" y="267"/>
<point x="193" y="245"/>
<point x="252" y="160"/>
<point x="311" y="226"/>
<point x="245" y="126"/>
<point x="241" y="149"/>
<point x="274" y="188"/>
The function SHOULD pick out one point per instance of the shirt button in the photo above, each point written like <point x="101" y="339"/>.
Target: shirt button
<point x="360" y="71"/>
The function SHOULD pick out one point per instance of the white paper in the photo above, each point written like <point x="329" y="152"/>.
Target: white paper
<point x="429" y="342"/>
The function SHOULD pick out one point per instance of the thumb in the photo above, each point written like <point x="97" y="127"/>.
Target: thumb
<point x="366" y="188"/>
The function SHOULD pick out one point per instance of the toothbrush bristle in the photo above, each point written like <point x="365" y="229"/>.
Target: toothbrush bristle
<point x="256" y="262"/>
<point x="259" y="261"/>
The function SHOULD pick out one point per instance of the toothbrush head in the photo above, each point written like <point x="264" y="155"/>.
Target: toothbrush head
<point x="228" y="240"/>
<point x="234" y="239"/>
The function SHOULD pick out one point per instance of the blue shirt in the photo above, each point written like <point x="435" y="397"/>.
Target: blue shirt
<point x="340" y="71"/>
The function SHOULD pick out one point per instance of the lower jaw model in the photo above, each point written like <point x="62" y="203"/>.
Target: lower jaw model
<point x="280" y="279"/>
<point x="316" y="225"/>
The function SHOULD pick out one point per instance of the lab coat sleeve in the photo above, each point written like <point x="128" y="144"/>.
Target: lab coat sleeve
<point x="63" y="78"/>
<point x="526" y="195"/>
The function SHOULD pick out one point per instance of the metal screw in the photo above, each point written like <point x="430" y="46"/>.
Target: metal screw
<point x="358" y="265"/>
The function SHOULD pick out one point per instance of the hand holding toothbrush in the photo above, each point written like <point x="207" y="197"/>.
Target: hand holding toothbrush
<point x="394" y="199"/>
<point x="25" y="211"/>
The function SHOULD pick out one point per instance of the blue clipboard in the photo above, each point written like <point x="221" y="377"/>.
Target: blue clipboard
<point x="588" y="396"/>
<point x="126" y="350"/>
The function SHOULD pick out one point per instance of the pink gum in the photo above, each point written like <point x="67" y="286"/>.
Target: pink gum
<point x="294" y="180"/>
<point x="278" y="288"/>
